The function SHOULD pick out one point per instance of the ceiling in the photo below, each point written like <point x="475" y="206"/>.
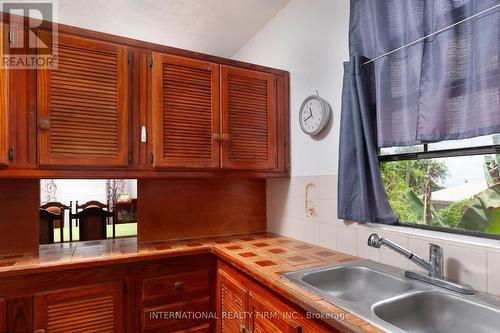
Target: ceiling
<point x="218" y="27"/>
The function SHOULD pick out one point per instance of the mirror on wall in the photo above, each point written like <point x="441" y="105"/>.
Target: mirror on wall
<point x="87" y="209"/>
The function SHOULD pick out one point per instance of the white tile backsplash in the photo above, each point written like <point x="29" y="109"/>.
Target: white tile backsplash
<point x="346" y="240"/>
<point x="328" y="235"/>
<point x="470" y="260"/>
<point x="328" y="187"/>
<point x="465" y="263"/>
<point x="493" y="271"/>
<point x="312" y="232"/>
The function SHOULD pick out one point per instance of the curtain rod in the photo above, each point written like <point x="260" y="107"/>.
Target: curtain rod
<point x="430" y="35"/>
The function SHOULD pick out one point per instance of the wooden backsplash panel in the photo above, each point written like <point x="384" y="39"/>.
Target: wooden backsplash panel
<point x="186" y="208"/>
<point x="19" y="201"/>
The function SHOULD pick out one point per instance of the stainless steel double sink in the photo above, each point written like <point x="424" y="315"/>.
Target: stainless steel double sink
<point x="383" y="296"/>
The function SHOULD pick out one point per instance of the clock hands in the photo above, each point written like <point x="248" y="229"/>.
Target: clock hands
<point x="310" y="114"/>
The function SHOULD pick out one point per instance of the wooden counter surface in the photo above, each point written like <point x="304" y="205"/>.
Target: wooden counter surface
<point x="262" y="256"/>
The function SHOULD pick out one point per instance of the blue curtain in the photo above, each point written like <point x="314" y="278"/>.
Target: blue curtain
<point x="361" y="194"/>
<point x="444" y="88"/>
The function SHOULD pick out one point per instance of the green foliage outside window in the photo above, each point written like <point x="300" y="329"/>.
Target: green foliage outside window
<point x="409" y="185"/>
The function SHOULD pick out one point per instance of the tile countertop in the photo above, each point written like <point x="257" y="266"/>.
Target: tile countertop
<point x="263" y="256"/>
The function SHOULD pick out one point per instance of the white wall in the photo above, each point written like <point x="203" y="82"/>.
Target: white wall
<point x="309" y="39"/>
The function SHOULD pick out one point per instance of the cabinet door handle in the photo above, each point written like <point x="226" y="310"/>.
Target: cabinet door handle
<point x="178" y="285"/>
<point x="44" y="124"/>
<point x="226" y="136"/>
<point x="216" y="136"/>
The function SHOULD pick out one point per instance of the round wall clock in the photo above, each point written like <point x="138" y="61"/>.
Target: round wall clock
<point x="314" y="115"/>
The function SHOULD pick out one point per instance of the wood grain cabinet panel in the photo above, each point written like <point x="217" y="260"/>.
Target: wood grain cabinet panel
<point x="232" y="305"/>
<point x="207" y="328"/>
<point x="249" y="128"/>
<point x="244" y="306"/>
<point x="185" y="112"/>
<point x="94" y="308"/>
<point x="83" y="104"/>
<point x="266" y="316"/>
<point x="3" y="102"/>
<point x="175" y="285"/>
<point x="3" y="310"/>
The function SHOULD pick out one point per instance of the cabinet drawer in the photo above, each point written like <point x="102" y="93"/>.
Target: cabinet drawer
<point x="189" y="312"/>
<point x="177" y="284"/>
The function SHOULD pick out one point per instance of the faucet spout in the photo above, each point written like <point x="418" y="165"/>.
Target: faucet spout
<point x="377" y="241"/>
<point x="434" y="266"/>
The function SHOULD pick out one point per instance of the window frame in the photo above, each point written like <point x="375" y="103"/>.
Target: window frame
<point x="442" y="153"/>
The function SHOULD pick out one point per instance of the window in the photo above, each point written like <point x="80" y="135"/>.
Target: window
<point x="450" y="185"/>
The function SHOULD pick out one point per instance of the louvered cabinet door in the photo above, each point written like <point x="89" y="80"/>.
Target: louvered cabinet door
<point x="185" y="112"/>
<point x="267" y="316"/>
<point x="94" y="308"/>
<point x="233" y="300"/>
<point x="249" y="128"/>
<point x="83" y="104"/>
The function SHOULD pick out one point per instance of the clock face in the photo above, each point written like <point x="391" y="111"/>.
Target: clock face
<point x="313" y="115"/>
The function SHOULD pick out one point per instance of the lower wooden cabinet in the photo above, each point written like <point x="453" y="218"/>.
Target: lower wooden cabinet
<point x="177" y="298"/>
<point x="91" y="308"/>
<point x="164" y="295"/>
<point x="243" y="306"/>
<point x="232" y="304"/>
<point x="182" y="294"/>
<point x="265" y="316"/>
<point x="2" y="315"/>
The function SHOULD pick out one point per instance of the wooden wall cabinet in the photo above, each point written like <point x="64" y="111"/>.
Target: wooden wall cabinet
<point x="249" y="129"/>
<point x="91" y="308"/>
<point x="198" y="125"/>
<point x="185" y="112"/>
<point x="243" y="306"/>
<point x="83" y="104"/>
<point x="122" y="108"/>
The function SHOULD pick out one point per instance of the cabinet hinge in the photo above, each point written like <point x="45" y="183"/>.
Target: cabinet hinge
<point x="130" y="57"/>
<point x="150" y="60"/>
<point x="11" y="37"/>
<point x="130" y="157"/>
<point x="125" y="288"/>
<point x="11" y="154"/>
<point x="151" y="158"/>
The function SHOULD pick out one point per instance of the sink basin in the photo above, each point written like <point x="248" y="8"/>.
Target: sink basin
<point x="383" y="296"/>
<point x="437" y="312"/>
<point x="356" y="283"/>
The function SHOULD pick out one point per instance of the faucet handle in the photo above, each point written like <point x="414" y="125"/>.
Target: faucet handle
<point x="435" y="249"/>
<point x="436" y="260"/>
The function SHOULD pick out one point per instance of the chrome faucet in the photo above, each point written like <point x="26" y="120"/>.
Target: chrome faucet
<point x="434" y="266"/>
